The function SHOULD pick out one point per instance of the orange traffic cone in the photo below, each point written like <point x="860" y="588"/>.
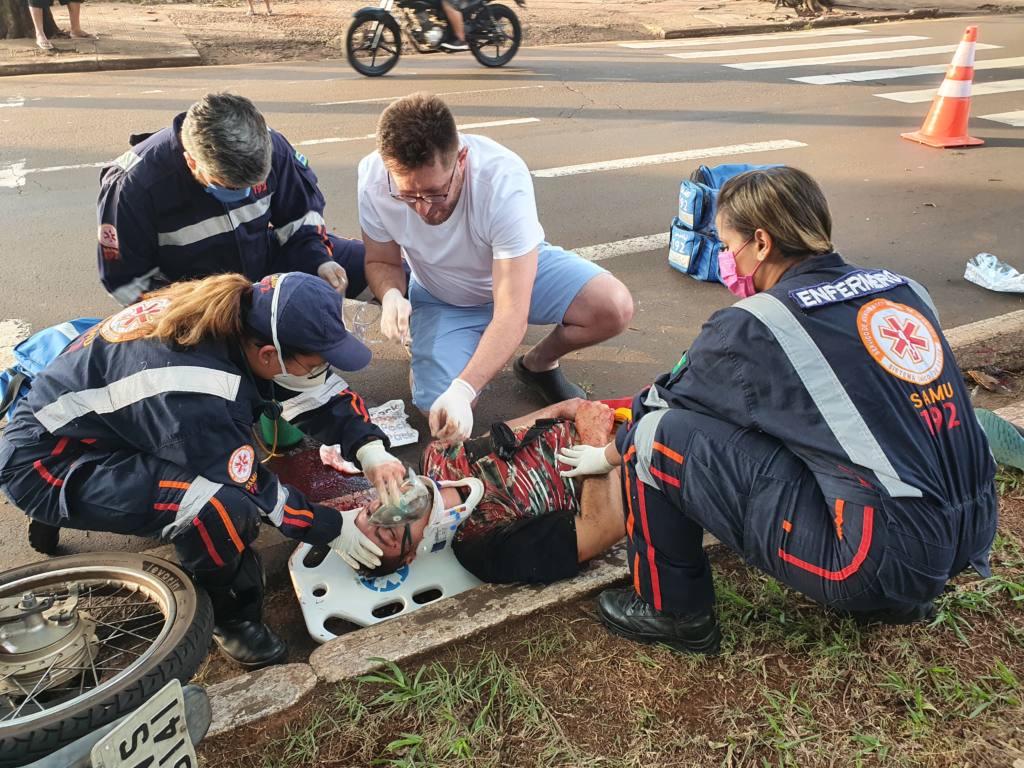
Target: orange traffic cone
<point x="946" y="124"/>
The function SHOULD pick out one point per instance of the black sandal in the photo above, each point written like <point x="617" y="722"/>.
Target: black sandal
<point x="550" y="385"/>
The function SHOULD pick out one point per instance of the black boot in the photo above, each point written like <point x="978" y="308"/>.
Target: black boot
<point x="237" y="600"/>
<point x="626" y="613"/>
<point x="43" y="537"/>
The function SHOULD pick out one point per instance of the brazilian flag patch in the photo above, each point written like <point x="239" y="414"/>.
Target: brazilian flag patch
<point x="680" y="365"/>
<point x="302" y="159"/>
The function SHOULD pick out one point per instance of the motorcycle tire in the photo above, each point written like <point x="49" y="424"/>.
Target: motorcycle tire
<point x="493" y="25"/>
<point x="364" y="24"/>
<point x="180" y="646"/>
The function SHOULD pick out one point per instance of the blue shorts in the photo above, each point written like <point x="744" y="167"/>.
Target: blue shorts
<point x="445" y="337"/>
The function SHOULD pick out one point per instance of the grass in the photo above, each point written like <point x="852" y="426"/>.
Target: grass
<point x="794" y="686"/>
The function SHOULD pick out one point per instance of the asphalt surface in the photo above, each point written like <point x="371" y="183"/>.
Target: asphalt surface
<point x="920" y="211"/>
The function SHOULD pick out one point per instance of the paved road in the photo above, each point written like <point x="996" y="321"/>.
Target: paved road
<point x="830" y="101"/>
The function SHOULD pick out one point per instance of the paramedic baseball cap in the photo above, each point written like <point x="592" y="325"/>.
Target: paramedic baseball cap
<point x="303" y="312"/>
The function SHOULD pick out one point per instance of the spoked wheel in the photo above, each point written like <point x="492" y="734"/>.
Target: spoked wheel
<point x="494" y="35"/>
<point x="373" y="44"/>
<point x="88" y="638"/>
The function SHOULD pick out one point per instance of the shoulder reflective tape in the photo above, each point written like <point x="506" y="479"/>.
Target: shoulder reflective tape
<point x="827" y="392"/>
<point x="129" y="293"/>
<point x="127" y="161"/>
<point x="860" y="282"/>
<point x="311" y="219"/>
<point x="197" y="496"/>
<point x="135" y="388"/>
<point x="654" y="398"/>
<point x="643" y="441"/>
<point x="216" y="225"/>
<point x="926" y="297"/>
<point x="314" y="398"/>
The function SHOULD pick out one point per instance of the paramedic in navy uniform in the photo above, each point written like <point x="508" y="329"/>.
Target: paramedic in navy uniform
<point x="144" y="426"/>
<point x="216" y="192"/>
<point x="819" y="427"/>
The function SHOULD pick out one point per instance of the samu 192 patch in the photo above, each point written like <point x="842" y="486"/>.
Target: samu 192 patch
<point x="901" y="340"/>
<point x="241" y="463"/>
<point x="133" y="322"/>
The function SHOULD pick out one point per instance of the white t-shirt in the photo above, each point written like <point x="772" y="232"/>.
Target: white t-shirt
<point x="495" y="218"/>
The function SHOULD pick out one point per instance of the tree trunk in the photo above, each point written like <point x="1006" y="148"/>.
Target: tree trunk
<point x="16" y="22"/>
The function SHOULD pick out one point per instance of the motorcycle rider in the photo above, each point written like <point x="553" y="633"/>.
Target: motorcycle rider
<point x="453" y="10"/>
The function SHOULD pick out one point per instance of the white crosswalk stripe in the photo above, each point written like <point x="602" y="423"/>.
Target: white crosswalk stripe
<point x="1016" y="119"/>
<point x="979" y="89"/>
<point x="696" y="42"/>
<point x="901" y="53"/>
<point x="891" y="74"/>
<point x="857" y="42"/>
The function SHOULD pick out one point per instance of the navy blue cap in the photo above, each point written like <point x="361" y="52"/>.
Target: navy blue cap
<point x="309" y="319"/>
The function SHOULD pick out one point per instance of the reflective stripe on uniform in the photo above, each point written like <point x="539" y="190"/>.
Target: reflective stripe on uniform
<point x="285" y="231"/>
<point x="127" y="161"/>
<point x="643" y="441"/>
<point x="923" y="294"/>
<point x="216" y="225"/>
<point x="135" y="388"/>
<point x="129" y="293"/>
<point x="276" y="515"/>
<point x="197" y="496"/>
<point x="654" y="398"/>
<point x="314" y="398"/>
<point x="827" y="392"/>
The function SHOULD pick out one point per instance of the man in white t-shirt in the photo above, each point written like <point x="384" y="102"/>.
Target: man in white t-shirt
<point x="461" y="209"/>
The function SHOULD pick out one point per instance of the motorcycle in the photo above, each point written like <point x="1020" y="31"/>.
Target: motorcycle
<point x="88" y="644"/>
<point x="373" y="43"/>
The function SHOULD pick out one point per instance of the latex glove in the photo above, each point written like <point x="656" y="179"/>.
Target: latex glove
<point x="335" y="274"/>
<point x="383" y="470"/>
<point x="585" y="460"/>
<point x="354" y="547"/>
<point x="451" y="415"/>
<point x="394" y="317"/>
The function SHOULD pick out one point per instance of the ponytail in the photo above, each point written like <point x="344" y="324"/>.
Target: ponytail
<point x="201" y="309"/>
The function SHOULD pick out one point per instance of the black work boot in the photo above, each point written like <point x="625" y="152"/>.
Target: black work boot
<point x="43" y="537"/>
<point x="250" y="644"/>
<point x="238" y="627"/>
<point x="625" y="613"/>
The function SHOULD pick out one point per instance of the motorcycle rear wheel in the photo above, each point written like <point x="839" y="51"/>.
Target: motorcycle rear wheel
<point x="495" y="35"/>
<point x="373" y="44"/>
<point x="146" y="624"/>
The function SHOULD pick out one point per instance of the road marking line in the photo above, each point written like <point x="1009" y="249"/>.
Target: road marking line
<point x="446" y="93"/>
<point x="1016" y="119"/>
<point x="979" y="89"/>
<point x="13" y="101"/>
<point x="11" y="332"/>
<point x="467" y="126"/>
<point x="889" y="74"/>
<point x="622" y="247"/>
<point x="899" y="53"/>
<point x="856" y="42"/>
<point x="693" y="43"/>
<point x="669" y="157"/>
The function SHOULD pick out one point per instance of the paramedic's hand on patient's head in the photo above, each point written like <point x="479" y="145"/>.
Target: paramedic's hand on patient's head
<point x="335" y="274"/>
<point x="451" y="415"/>
<point x="585" y="460"/>
<point x="354" y="547"/>
<point x="394" y="317"/>
<point x="383" y="470"/>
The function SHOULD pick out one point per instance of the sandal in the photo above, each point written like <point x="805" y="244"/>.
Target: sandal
<point x="44" y="45"/>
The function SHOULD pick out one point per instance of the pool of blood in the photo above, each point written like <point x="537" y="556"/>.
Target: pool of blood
<point x="301" y="467"/>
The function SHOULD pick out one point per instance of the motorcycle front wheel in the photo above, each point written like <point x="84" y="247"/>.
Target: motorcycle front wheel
<point x="494" y="35"/>
<point x="86" y="639"/>
<point x="373" y="43"/>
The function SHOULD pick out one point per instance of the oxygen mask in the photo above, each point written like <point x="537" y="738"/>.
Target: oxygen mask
<point x="414" y="503"/>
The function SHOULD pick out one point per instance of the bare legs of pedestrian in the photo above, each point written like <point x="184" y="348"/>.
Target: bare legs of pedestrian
<point x="252" y="8"/>
<point x="38" y="21"/>
<point x="74" y="16"/>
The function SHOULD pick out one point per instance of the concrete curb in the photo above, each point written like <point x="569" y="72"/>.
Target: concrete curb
<point x="823" y="21"/>
<point x="996" y="341"/>
<point x="101" y="64"/>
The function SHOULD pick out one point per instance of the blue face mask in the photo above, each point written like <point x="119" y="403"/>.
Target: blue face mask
<point x="225" y="195"/>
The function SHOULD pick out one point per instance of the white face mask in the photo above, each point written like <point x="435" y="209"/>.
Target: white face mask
<point x="287" y="380"/>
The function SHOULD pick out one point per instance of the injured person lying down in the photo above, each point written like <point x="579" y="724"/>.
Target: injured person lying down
<point x="518" y="518"/>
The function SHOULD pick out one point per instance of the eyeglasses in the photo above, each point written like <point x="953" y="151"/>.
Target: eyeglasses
<point x="429" y="199"/>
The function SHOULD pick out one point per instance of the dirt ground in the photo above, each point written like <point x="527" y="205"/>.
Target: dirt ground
<point x="793" y="686"/>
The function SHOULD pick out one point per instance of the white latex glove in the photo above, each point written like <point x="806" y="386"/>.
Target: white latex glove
<point x="335" y="274"/>
<point x="394" y="317"/>
<point x="585" y="460"/>
<point x="383" y="470"/>
<point x="354" y="547"/>
<point x="451" y="415"/>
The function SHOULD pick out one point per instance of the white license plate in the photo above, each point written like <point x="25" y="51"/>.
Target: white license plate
<point x="153" y="736"/>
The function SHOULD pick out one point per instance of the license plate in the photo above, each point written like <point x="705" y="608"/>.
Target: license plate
<point x="153" y="736"/>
